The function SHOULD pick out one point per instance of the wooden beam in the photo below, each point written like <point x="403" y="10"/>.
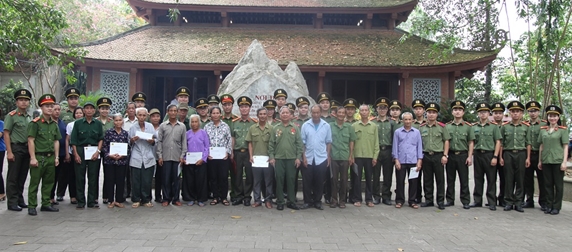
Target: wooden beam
<point x="368" y="20"/>
<point x="319" y="21"/>
<point x="321" y="76"/>
<point x="224" y="20"/>
<point x="218" y="79"/>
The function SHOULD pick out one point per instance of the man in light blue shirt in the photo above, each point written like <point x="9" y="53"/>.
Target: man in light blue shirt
<point x="407" y="151"/>
<point x="317" y="139"/>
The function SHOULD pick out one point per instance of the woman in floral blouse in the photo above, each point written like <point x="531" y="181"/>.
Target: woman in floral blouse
<point x="219" y="136"/>
<point x="114" y="165"/>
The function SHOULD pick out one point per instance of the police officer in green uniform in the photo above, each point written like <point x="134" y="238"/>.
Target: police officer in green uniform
<point x="487" y="149"/>
<point x="334" y="105"/>
<point x="103" y="105"/>
<point x="461" y="148"/>
<point x="72" y="96"/>
<point x="16" y="139"/>
<point x="44" y="146"/>
<point x="303" y="105"/>
<point x="553" y="141"/>
<point x="182" y="110"/>
<point x="241" y="156"/>
<point x="280" y="96"/>
<point x="228" y="117"/>
<point x="497" y="110"/>
<point x="270" y="105"/>
<point x="183" y="94"/>
<point x="323" y="100"/>
<point x="418" y="106"/>
<point x="533" y="108"/>
<point x="284" y="151"/>
<point x="385" y="129"/>
<point x="395" y="113"/>
<point x="350" y="105"/>
<point x="435" y="155"/>
<point x="202" y="107"/>
<point x="516" y="138"/>
<point x="87" y="132"/>
<point x="213" y="101"/>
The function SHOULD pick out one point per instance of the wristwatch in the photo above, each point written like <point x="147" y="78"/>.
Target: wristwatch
<point x="98" y="151"/>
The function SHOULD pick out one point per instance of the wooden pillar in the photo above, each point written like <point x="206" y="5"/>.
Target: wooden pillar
<point x="178" y="20"/>
<point x="133" y="88"/>
<point x="95" y="80"/>
<point x="401" y="88"/>
<point x="224" y="19"/>
<point x="319" y="21"/>
<point x="152" y="17"/>
<point x="368" y="21"/>
<point x="139" y="79"/>
<point x="321" y="76"/>
<point x="391" y="21"/>
<point x="218" y="79"/>
<point x="451" y="85"/>
<point x="89" y="73"/>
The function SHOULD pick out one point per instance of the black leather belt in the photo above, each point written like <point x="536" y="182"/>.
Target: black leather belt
<point x="483" y="151"/>
<point x="458" y="152"/>
<point x="534" y="152"/>
<point x="21" y="144"/>
<point x="431" y="153"/>
<point x="45" y="154"/>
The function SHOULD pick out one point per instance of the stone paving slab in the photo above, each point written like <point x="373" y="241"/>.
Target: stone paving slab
<point x="212" y="228"/>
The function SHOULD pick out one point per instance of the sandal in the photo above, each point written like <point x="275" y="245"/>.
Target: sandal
<point x="398" y="205"/>
<point x="201" y="204"/>
<point x="148" y="204"/>
<point x="111" y="205"/>
<point x="136" y="205"/>
<point x="357" y="204"/>
<point x="225" y="202"/>
<point x="214" y="202"/>
<point x="165" y="203"/>
<point x="414" y="206"/>
<point x="370" y="204"/>
<point x="191" y="203"/>
<point x="120" y="205"/>
<point x="73" y="201"/>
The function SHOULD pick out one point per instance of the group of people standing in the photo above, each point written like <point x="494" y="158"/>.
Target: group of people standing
<point x="193" y="150"/>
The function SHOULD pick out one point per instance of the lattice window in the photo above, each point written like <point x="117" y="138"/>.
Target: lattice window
<point x="116" y="86"/>
<point x="429" y="90"/>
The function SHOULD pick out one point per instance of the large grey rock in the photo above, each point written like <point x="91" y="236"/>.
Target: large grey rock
<point x="257" y="76"/>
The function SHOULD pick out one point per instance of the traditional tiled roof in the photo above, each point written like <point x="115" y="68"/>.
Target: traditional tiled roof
<point x="307" y="47"/>
<point x="292" y="3"/>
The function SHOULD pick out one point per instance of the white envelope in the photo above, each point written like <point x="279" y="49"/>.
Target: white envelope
<point x="217" y="152"/>
<point x="413" y="173"/>
<point x="118" y="148"/>
<point x="88" y="152"/>
<point x="260" y="161"/>
<point x="144" y="135"/>
<point x="193" y="157"/>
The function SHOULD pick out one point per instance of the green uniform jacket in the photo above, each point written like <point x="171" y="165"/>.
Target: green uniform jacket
<point x="552" y="144"/>
<point x="486" y="136"/>
<point x="85" y="133"/>
<point x="203" y="123"/>
<point x="367" y="140"/>
<point x="461" y="134"/>
<point x="285" y="142"/>
<point x="17" y="123"/>
<point x="434" y="137"/>
<point x="228" y="120"/>
<point x="298" y="122"/>
<point x="239" y="131"/>
<point x="515" y="137"/>
<point x="44" y="134"/>
<point x="535" y="132"/>
<point x="342" y="136"/>
<point x="385" y="130"/>
<point x="259" y="139"/>
<point x="329" y="118"/>
<point x="67" y="115"/>
<point x="108" y="124"/>
<point x="417" y="124"/>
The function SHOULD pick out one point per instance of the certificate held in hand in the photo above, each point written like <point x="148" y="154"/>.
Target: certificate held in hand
<point x="144" y="135"/>
<point x="260" y="161"/>
<point x="118" y="148"/>
<point x="193" y="157"/>
<point x="217" y="152"/>
<point x="88" y="152"/>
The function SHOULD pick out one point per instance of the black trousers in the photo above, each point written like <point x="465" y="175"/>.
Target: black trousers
<point x="456" y="165"/>
<point x="66" y="179"/>
<point x="243" y="185"/>
<point x="218" y="173"/>
<point x="401" y="175"/>
<point x="514" y="176"/>
<point x="158" y="182"/>
<point x="141" y="181"/>
<point x="17" y="174"/>
<point x="2" y="154"/>
<point x="127" y="192"/>
<point x="502" y="183"/>
<point x="554" y="182"/>
<point x="384" y="166"/>
<point x="529" y="181"/>
<point x="195" y="182"/>
<point x="365" y="164"/>
<point x="115" y="177"/>
<point x="433" y="171"/>
<point x="482" y="168"/>
<point x="313" y="178"/>
<point x="170" y="183"/>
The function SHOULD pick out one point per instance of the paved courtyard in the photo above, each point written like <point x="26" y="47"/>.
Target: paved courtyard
<point x="239" y="228"/>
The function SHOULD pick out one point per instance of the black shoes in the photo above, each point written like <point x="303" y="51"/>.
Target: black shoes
<point x="247" y="202"/>
<point x="548" y="210"/>
<point x="280" y="207"/>
<point x="60" y="199"/>
<point x="519" y="209"/>
<point x="15" y="208"/>
<point x="22" y="205"/>
<point x="49" y="209"/>
<point x="449" y="203"/>
<point x="305" y="206"/>
<point x="425" y="204"/>
<point x="385" y="202"/>
<point x="237" y="202"/>
<point x="441" y="206"/>
<point x="466" y="206"/>
<point x="319" y="206"/>
<point x="507" y="208"/>
<point x="527" y="205"/>
<point x="543" y="208"/>
<point x="475" y="204"/>
<point x="292" y="206"/>
<point x="554" y="212"/>
<point x="32" y="211"/>
<point x="376" y="201"/>
<point x="492" y="208"/>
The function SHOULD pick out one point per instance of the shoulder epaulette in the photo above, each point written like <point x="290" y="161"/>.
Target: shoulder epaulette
<point x="543" y="127"/>
<point x="36" y="119"/>
<point x="235" y="119"/>
<point x="332" y="115"/>
<point x="561" y="127"/>
<point x="423" y="124"/>
<point x="544" y="120"/>
<point x="505" y="123"/>
<point x="526" y="123"/>
<point x="13" y="112"/>
<point x="441" y="124"/>
<point x="372" y="118"/>
<point x="491" y="122"/>
<point x="468" y="123"/>
<point x="450" y="122"/>
<point x="234" y="116"/>
<point x="254" y="120"/>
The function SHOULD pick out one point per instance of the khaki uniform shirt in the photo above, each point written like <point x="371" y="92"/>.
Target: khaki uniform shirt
<point x="461" y="135"/>
<point x="534" y="133"/>
<point x="239" y="131"/>
<point x="260" y="138"/>
<point x="486" y="136"/>
<point x="385" y="130"/>
<point x="553" y="142"/>
<point x="342" y="136"/>
<point x="285" y="142"/>
<point x="515" y="137"/>
<point x="367" y="140"/>
<point x="17" y="123"/>
<point x="67" y="115"/>
<point x="434" y="137"/>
